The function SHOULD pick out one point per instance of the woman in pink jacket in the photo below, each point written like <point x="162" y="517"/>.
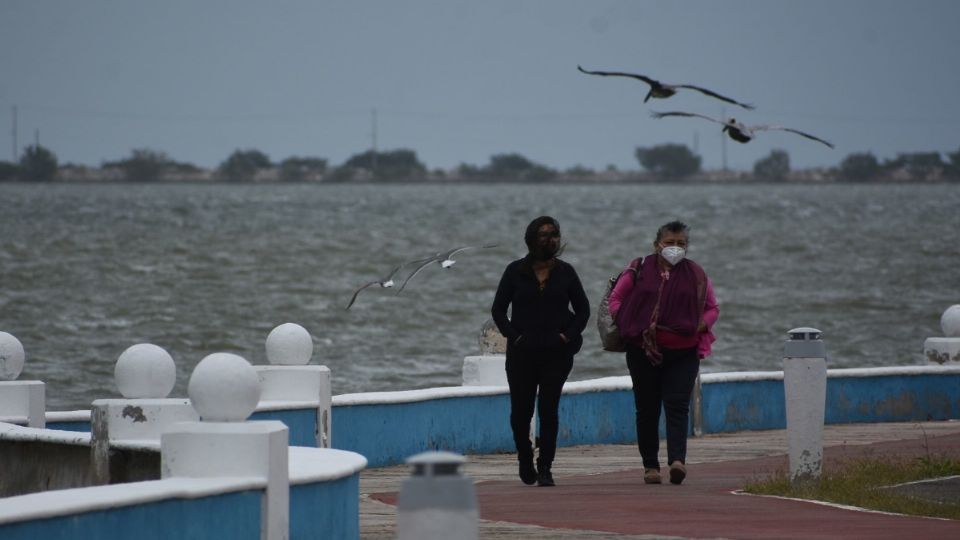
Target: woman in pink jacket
<point x="665" y="309"/>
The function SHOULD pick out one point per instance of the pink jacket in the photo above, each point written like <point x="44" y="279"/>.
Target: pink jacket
<point x="711" y="310"/>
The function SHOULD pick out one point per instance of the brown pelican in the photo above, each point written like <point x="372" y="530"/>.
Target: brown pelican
<point x="387" y="281"/>
<point x="445" y="260"/>
<point x="737" y="130"/>
<point x="663" y="90"/>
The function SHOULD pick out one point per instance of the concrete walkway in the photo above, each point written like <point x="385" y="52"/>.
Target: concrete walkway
<point x="601" y="494"/>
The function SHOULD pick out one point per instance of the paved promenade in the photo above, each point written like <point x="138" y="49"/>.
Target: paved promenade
<point x="601" y="494"/>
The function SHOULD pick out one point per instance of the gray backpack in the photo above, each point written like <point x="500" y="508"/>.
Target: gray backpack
<point x="610" y="339"/>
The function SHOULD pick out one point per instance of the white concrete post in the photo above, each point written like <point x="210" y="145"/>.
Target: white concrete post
<point x="289" y="378"/>
<point x="224" y="389"/>
<point x="945" y="350"/>
<point x="21" y="402"/>
<point x="805" y="390"/>
<point x="437" y="502"/>
<point x="145" y="374"/>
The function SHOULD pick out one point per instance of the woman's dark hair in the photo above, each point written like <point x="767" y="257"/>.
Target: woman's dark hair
<point x="532" y="239"/>
<point x="530" y="236"/>
<point x="673" y="227"/>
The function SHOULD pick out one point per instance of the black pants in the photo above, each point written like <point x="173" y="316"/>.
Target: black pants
<point x="669" y="385"/>
<point x="525" y="374"/>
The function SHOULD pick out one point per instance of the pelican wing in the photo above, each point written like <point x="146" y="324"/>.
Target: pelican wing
<point x="796" y="131"/>
<point x="357" y="292"/>
<point x="648" y="80"/>
<point x="656" y="114"/>
<point x="423" y="265"/>
<point x="716" y="95"/>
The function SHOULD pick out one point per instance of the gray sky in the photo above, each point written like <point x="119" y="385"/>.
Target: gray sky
<point x="458" y="81"/>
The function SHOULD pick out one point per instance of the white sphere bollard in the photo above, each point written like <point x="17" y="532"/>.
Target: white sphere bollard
<point x="224" y="387"/>
<point x="950" y="321"/>
<point x="11" y="357"/>
<point x="145" y="371"/>
<point x="289" y="345"/>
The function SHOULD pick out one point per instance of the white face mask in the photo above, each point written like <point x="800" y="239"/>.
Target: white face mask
<point x="673" y="254"/>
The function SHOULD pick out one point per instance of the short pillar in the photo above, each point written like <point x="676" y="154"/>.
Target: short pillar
<point x="224" y="389"/>
<point x="945" y="350"/>
<point x="437" y="502"/>
<point x="144" y="374"/>
<point x="289" y="378"/>
<point x="21" y="402"/>
<point x="805" y="390"/>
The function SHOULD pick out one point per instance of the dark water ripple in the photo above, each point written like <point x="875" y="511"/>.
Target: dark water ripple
<point x="86" y="271"/>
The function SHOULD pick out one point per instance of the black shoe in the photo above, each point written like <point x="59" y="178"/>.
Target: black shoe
<point x="528" y="473"/>
<point x="544" y="476"/>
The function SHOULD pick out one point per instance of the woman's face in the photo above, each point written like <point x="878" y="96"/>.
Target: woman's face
<point x="668" y="238"/>
<point x="548" y="240"/>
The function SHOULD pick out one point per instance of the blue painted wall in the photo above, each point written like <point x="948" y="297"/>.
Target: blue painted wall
<point x="70" y="426"/>
<point x="900" y="398"/>
<point x="326" y="510"/>
<point x="597" y="418"/>
<point x="232" y="515"/>
<point x="302" y="424"/>
<point x="388" y="434"/>
<point x="743" y="405"/>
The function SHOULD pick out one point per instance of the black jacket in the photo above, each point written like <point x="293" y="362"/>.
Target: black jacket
<point x="541" y="316"/>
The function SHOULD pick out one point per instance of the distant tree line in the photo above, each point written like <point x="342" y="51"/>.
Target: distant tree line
<point x="665" y="162"/>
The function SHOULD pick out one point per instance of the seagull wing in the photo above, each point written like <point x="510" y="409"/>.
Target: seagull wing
<point x="357" y="292"/>
<point x="686" y="114"/>
<point x="716" y="95"/>
<point x="423" y="265"/>
<point x="454" y="251"/>
<point x="648" y="80"/>
<point x="791" y="130"/>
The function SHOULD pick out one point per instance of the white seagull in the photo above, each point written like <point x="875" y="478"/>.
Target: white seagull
<point x="737" y="130"/>
<point x="387" y="281"/>
<point x="445" y="259"/>
<point x="664" y="90"/>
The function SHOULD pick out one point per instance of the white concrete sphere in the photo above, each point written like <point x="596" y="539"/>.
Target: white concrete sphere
<point x="289" y="345"/>
<point x="145" y="371"/>
<point x="224" y="387"/>
<point x="11" y="357"/>
<point x="950" y="321"/>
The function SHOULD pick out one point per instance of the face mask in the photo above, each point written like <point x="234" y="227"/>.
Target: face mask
<point x="673" y="254"/>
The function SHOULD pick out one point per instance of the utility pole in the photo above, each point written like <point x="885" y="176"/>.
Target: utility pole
<point x="373" y="155"/>
<point x="16" y="151"/>
<point x="723" y="139"/>
<point x="696" y="142"/>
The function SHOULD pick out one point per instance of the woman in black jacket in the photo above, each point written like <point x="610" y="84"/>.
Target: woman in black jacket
<point x="542" y="335"/>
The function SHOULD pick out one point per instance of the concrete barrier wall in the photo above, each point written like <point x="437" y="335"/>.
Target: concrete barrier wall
<point x="387" y="427"/>
<point x="208" y="516"/>
<point x="325" y="510"/>
<point x="302" y="423"/>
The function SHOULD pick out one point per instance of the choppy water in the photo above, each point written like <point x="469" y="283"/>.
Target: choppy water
<point x="88" y="270"/>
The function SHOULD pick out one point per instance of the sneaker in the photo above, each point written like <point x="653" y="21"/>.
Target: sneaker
<point x="651" y="476"/>
<point x="528" y="473"/>
<point x="678" y="471"/>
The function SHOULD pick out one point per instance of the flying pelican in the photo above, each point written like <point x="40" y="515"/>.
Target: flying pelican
<point x="445" y="259"/>
<point x="387" y="281"/>
<point x="664" y="90"/>
<point x="737" y="130"/>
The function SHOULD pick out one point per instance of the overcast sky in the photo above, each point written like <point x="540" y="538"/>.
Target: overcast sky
<point x="459" y="81"/>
